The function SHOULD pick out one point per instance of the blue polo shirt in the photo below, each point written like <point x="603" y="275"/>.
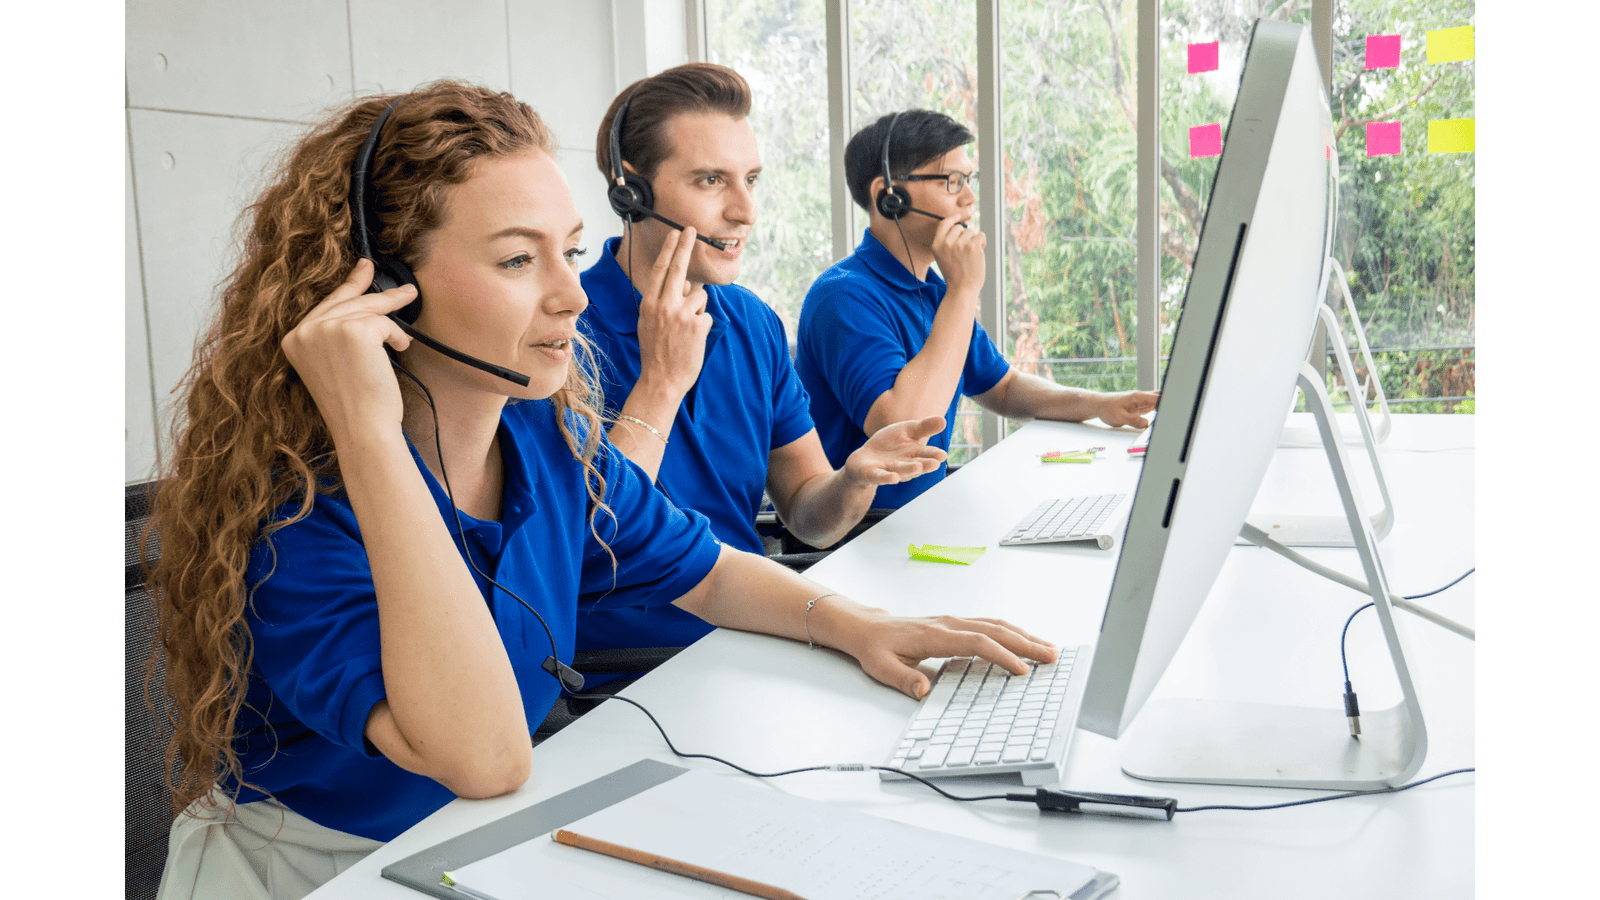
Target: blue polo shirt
<point x="317" y="671"/>
<point x="862" y="321"/>
<point x="747" y="403"/>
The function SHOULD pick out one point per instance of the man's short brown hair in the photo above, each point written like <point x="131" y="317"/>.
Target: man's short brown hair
<point x="690" y="88"/>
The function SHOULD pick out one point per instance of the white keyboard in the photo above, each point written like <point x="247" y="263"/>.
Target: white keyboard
<point x="1089" y="518"/>
<point x="979" y="719"/>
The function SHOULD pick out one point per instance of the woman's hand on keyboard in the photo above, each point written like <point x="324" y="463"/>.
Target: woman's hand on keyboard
<point x="890" y="647"/>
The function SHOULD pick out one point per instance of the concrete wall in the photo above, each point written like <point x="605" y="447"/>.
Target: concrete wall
<point x="216" y="89"/>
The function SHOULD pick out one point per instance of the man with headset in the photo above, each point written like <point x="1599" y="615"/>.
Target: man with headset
<point x="883" y="338"/>
<point x="696" y="369"/>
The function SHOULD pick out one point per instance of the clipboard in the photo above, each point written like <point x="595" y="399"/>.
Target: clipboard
<point x="422" y="871"/>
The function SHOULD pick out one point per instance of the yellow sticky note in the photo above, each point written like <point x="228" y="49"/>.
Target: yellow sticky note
<point x="961" y="556"/>
<point x="1450" y="44"/>
<point x="1450" y="135"/>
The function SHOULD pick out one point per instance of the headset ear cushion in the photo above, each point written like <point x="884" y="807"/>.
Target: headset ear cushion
<point x="389" y="273"/>
<point x="894" y="202"/>
<point x="630" y="198"/>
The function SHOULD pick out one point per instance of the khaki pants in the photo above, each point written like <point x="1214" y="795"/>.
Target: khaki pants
<point x="253" y="851"/>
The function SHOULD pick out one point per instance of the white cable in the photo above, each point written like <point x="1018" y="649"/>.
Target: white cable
<point x="1260" y="538"/>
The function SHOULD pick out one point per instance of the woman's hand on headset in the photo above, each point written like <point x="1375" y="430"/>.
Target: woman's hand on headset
<point x="338" y="351"/>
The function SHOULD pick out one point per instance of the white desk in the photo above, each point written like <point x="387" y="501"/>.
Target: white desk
<point x="1269" y="632"/>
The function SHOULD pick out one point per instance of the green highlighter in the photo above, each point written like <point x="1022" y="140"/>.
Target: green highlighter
<point x="961" y="556"/>
<point x="1085" y="455"/>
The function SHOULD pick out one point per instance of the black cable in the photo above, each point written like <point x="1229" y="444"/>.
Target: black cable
<point x="1045" y="799"/>
<point x="1342" y="661"/>
<point x="835" y="767"/>
<point x="1352" y="709"/>
<point x="553" y="665"/>
<point x="1339" y="796"/>
<point x="910" y="260"/>
<point x="1461" y="578"/>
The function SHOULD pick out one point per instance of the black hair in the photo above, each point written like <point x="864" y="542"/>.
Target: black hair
<point x="920" y="137"/>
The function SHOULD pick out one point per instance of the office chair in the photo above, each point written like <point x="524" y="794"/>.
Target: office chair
<point x="783" y="547"/>
<point x="148" y="807"/>
<point x="786" y="549"/>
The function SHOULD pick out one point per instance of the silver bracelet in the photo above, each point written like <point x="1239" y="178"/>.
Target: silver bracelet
<point x="809" y="642"/>
<point x="648" y="427"/>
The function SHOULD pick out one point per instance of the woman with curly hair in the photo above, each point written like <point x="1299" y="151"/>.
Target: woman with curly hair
<point x="366" y="568"/>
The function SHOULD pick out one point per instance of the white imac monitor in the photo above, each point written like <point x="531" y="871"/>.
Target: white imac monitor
<point x="1246" y="325"/>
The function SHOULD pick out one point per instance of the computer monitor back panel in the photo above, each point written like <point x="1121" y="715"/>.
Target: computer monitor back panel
<point x="1246" y="326"/>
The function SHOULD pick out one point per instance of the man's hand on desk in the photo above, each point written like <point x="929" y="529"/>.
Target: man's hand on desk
<point x="1127" y="408"/>
<point x="890" y="647"/>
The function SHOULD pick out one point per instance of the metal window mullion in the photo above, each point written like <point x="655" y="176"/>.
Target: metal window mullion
<point x="839" y="126"/>
<point x="991" y="202"/>
<point x="1147" y="259"/>
<point x="696" y="41"/>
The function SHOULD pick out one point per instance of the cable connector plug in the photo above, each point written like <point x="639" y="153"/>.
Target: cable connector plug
<point x="1352" y="711"/>
<point x="567" y="675"/>
<point x="1101" y="804"/>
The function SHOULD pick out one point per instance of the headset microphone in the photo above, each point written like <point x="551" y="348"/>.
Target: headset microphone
<point x="630" y="195"/>
<point x="388" y="271"/>
<point x="894" y="202"/>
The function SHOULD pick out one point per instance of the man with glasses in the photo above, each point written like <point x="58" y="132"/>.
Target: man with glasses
<point x="883" y="338"/>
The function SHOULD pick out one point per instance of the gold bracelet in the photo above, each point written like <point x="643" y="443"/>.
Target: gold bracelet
<point x="809" y="642"/>
<point x="647" y="426"/>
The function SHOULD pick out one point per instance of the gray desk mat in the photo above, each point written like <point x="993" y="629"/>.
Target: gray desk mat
<point x="421" y="871"/>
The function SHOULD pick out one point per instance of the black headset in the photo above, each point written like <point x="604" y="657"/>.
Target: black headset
<point x="630" y="194"/>
<point x="390" y="272"/>
<point x="894" y="202"/>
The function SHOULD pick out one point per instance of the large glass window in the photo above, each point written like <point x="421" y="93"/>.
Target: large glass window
<point x="1403" y="107"/>
<point x="779" y="46"/>
<point x="1068" y="73"/>
<point x="1069" y="107"/>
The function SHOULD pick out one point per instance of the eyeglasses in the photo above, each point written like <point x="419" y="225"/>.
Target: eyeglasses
<point x="953" y="182"/>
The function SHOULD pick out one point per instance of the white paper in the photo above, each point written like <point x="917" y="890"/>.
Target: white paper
<point x="754" y="831"/>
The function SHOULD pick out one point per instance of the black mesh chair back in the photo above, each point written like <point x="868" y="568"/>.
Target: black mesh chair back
<point x="148" y="804"/>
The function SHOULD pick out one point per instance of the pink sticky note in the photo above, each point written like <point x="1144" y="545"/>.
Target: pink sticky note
<point x="1383" y="139"/>
<point x="1205" y="140"/>
<point x="1383" y="51"/>
<point x="1202" y="58"/>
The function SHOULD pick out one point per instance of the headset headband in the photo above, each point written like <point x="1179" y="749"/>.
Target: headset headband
<point x="363" y="194"/>
<point x="615" y="142"/>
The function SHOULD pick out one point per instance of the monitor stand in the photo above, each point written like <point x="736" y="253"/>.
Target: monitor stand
<point x="1332" y="531"/>
<point x="1353" y="387"/>
<point x="1232" y="742"/>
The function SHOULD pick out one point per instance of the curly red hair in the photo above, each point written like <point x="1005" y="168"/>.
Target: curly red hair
<point x="247" y="438"/>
